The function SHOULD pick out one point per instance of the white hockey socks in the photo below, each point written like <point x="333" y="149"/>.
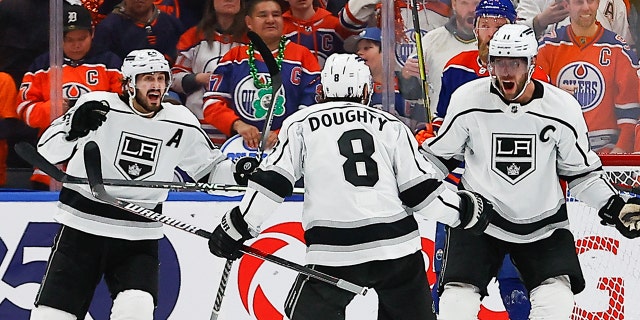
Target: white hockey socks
<point x="459" y="301"/>
<point x="132" y="305"/>
<point x="48" y="313"/>
<point x="552" y="299"/>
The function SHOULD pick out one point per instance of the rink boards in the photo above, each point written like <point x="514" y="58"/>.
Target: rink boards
<point x="190" y="275"/>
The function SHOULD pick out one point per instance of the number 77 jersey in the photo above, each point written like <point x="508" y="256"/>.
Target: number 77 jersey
<point x="359" y="166"/>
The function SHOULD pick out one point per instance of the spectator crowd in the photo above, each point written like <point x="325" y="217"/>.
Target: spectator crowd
<point x="587" y="48"/>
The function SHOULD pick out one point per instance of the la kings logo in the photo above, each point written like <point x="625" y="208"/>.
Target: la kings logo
<point x="513" y="156"/>
<point x="137" y="155"/>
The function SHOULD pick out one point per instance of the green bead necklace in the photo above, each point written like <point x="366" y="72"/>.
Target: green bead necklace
<point x="252" y="63"/>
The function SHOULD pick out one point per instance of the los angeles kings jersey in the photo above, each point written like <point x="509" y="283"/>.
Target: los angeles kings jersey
<point x="363" y="178"/>
<point x="132" y="148"/>
<point x="514" y="155"/>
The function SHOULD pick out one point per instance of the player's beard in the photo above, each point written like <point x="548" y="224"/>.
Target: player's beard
<point x="513" y="89"/>
<point x="151" y="102"/>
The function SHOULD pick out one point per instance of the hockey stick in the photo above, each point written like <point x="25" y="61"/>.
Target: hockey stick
<point x="276" y="84"/>
<point x="423" y="73"/>
<point x="94" y="174"/>
<point x="626" y="188"/>
<point x="29" y="154"/>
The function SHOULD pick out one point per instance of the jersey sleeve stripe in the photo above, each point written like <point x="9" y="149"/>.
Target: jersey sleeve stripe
<point x="274" y="182"/>
<point x="418" y="193"/>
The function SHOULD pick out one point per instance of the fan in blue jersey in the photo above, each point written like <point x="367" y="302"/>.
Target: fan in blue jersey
<point x="364" y="180"/>
<point x="518" y="137"/>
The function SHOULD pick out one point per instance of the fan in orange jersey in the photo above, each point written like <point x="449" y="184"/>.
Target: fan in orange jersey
<point x="315" y="28"/>
<point x="12" y="129"/>
<point x="83" y="70"/>
<point x="600" y="70"/>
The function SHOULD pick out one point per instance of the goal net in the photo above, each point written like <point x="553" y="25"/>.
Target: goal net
<point x="609" y="261"/>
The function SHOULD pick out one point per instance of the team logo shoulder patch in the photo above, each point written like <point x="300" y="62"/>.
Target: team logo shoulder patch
<point x="513" y="155"/>
<point x="137" y="156"/>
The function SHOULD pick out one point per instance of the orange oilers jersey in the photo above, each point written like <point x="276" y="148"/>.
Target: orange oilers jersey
<point x="602" y="74"/>
<point x="98" y="72"/>
<point x="8" y="96"/>
<point x="322" y="34"/>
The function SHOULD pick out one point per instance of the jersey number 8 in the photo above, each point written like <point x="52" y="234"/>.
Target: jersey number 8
<point x="359" y="169"/>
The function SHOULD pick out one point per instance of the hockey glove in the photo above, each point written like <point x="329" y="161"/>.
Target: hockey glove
<point x="228" y="237"/>
<point x="476" y="212"/>
<point x="89" y="116"/>
<point x="624" y="216"/>
<point x="430" y="130"/>
<point x="425" y="134"/>
<point x="243" y="168"/>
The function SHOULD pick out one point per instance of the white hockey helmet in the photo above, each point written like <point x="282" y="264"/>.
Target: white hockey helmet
<point x="144" y="61"/>
<point x="346" y="75"/>
<point x="514" y="41"/>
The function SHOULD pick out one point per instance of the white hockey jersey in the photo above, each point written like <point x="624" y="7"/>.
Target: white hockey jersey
<point x="515" y="154"/>
<point x="363" y="178"/>
<point x="132" y="148"/>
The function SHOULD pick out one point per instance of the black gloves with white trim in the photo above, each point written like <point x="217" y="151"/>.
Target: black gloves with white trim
<point x="228" y="237"/>
<point x="625" y="216"/>
<point x="243" y="168"/>
<point x="476" y="212"/>
<point x="89" y="116"/>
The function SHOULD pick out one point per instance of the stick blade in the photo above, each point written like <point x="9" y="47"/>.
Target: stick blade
<point x="31" y="155"/>
<point x="93" y="166"/>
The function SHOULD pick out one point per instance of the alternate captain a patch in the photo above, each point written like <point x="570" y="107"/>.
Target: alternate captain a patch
<point x="137" y="156"/>
<point x="513" y="155"/>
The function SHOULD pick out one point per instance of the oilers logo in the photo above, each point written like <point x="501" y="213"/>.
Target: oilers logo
<point x="587" y="80"/>
<point x="252" y="103"/>
<point x="407" y="48"/>
<point x="73" y="90"/>
<point x="137" y="156"/>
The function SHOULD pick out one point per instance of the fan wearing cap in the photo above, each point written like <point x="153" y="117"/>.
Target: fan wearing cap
<point x="83" y="70"/>
<point x="367" y="45"/>
<point x="357" y="14"/>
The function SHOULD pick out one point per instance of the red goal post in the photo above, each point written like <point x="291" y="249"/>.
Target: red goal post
<point x="610" y="262"/>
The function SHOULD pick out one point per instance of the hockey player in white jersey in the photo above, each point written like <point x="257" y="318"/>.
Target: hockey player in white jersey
<point x="518" y="137"/>
<point x="364" y="178"/>
<point x="140" y="138"/>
